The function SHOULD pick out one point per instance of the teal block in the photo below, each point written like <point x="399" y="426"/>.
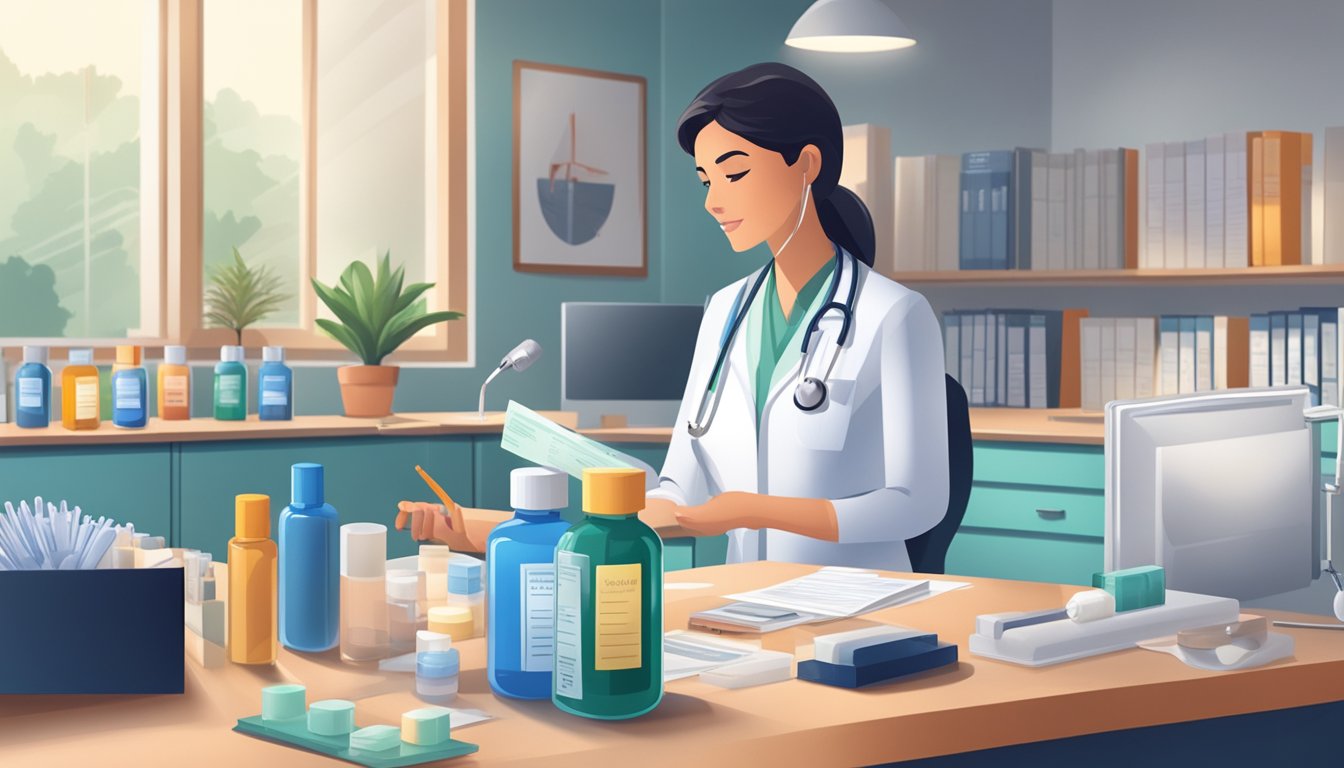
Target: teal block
<point x="425" y="727"/>
<point x="375" y="738"/>
<point x="1024" y="557"/>
<point x="295" y="733"/>
<point x="126" y="483"/>
<point x="1134" y="588"/>
<point x="283" y="702"/>
<point x="365" y="478"/>
<point x="711" y="550"/>
<point x="331" y="717"/>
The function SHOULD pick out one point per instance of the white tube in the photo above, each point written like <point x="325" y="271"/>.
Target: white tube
<point x="1090" y="605"/>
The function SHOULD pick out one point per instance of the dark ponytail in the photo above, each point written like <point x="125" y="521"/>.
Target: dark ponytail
<point x="779" y="108"/>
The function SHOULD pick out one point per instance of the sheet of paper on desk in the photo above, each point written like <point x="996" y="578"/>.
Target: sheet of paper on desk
<point x="837" y="592"/>
<point x="541" y="441"/>
<point x="689" y="653"/>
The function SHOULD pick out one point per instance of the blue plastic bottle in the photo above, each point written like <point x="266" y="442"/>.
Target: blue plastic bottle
<point x="32" y="389"/>
<point x="521" y="597"/>
<point x="130" y="389"/>
<point x="310" y="602"/>
<point x="276" y="402"/>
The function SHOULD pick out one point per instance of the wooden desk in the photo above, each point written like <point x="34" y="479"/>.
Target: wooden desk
<point x="979" y="704"/>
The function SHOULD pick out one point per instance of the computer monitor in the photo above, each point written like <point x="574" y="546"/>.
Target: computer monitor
<point x="628" y="360"/>
<point x="1220" y="489"/>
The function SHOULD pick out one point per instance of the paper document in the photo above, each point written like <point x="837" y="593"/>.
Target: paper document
<point x="690" y="653"/>
<point x="753" y="617"/>
<point x="836" y="592"/>
<point x="541" y="441"/>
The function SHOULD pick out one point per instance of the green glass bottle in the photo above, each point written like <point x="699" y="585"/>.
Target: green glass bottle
<point x="230" y="385"/>
<point x="609" y="565"/>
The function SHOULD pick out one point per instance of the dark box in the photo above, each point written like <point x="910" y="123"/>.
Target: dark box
<point x="111" y="630"/>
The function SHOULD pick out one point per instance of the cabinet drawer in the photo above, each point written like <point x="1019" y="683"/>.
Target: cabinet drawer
<point x="1063" y="466"/>
<point x="1024" y="557"/>
<point x="1036" y="510"/>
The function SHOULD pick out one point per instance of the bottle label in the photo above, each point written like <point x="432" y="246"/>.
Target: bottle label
<point x="127" y="395"/>
<point x="619" y="631"/>
<point x="30" y="392"/>
<point x="86" y="398"/>
<point x="571" y="573"/>
<point x="537" y="600"/>
<point x="175" y="391"/>
<point x="274" y="391"/>
<point x="230" y="389"/>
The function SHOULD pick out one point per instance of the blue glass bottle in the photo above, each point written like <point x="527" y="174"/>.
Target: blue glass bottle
<point x="520" y="601"/>
<point x="32" y="389"/>
<point x="309" y="546"/>
<point x="130" y="394"/>
<point x="276" y="402"/>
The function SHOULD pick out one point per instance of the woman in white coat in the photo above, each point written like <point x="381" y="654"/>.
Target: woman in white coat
<point x="805" y="437"/>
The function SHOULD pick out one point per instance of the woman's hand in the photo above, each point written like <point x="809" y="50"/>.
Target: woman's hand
<point x="429" y="522"/>
<point x="722" y="513"/>
<point x="463" y="529"/>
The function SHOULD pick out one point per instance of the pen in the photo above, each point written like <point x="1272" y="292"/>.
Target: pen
<point x="449" y="507"/>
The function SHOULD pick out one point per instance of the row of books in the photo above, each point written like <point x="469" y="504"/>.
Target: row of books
<point x="1231" y="200"/>
<point x="1066" y="359"/>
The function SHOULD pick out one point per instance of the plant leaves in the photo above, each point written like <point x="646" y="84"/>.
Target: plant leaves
<point x="377" y="311"/>
<point x="343" y="335"/>
<point x="239" y="296"/>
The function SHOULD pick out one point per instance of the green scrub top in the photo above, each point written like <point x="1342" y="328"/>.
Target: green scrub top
<point x="774" y="342"/>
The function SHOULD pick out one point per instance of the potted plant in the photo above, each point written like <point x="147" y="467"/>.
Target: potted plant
<point x="240" y="296"/>
<point x="376" y="315"/>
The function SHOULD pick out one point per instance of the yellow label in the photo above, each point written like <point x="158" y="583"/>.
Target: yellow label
<point x="620" y="602"/>
<point x="175" y="390"/>
<point x="86" y="398"/>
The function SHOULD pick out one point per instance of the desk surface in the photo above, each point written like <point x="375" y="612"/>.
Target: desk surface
<point x="1005" y="424"/>
<point x="979" y="704"/>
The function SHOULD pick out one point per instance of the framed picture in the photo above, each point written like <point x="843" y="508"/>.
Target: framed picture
<point x="579" y="171"/>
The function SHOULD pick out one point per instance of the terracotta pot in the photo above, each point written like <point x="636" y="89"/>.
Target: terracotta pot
<point x="367" y="390"/>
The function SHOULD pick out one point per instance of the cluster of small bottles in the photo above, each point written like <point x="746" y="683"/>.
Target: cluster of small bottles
<point x="548" y="583"/>
<point x="81" y="388"/>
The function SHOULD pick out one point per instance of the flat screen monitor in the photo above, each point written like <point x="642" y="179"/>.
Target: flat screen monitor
<point x="1217" y="488"/>
<point x="629" y="360"/>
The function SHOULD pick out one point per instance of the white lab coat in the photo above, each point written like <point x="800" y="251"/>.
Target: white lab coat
<point x="877" y="449"/>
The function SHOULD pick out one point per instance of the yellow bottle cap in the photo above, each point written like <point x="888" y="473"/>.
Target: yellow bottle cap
<point x="252" y="516"/>
<point x="613" y="490"/>
<point x="128" y="354"/>
<point x="455" y="621"/>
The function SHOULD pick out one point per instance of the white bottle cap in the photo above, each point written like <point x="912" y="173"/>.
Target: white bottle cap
<point x="273" y="354"/>
<point x="35" y="354"/>
<point x="175" y="355"/>
<point x="405" y="585"/>
<point x="538" y="488"/>
<point x="364" y="550"/>
<point x="81" y="356"/>
<point x="230" y="354"/>
<point x="432" y="642"/>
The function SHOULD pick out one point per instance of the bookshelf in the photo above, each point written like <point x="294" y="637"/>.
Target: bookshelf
<point x="1306" y="274"/>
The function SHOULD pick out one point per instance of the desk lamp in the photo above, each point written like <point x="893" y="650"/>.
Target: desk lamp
<point x="519" y="358"/>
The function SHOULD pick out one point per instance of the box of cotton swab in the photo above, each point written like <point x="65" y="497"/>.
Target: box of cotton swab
<point x="72" y="622"/>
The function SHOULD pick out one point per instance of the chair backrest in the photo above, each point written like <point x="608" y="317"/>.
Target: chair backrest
<point x="928" y="551"/>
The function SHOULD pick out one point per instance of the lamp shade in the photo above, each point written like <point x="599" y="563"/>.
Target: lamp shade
<point x="849" y="26"/>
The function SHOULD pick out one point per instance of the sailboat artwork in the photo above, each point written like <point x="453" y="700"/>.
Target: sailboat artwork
<point x="574" y="204"/>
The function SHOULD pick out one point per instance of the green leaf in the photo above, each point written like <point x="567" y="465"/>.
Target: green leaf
<point x="343" y="307"/>
<point x="239" y="296"/>
<point x="343" y="335"/>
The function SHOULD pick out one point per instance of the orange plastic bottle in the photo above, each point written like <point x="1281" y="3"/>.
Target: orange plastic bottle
<point x="80" y="392"/>
<point x="252" y="582"/>
<point x="174" y="385"/>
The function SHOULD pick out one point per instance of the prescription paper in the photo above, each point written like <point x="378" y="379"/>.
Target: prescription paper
<point x="686" y="654"/>
<point x="836" y="592"/>
<point x="534" y="437"/>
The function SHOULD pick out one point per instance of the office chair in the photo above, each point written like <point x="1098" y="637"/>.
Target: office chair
<point x="928" y="551"/>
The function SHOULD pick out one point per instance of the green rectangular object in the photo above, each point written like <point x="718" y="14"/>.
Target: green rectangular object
<point x="295" y="733"/>
<point x="1134" y="588"/>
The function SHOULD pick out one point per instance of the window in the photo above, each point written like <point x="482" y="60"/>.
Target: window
<point x="340" y="135"/>
<point x="80" y="242"/>
<point x="141" y="145"/>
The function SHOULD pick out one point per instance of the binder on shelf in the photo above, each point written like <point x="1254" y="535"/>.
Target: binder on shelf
<point x="1173" y="200"/>
<point x="1256" y="180"/>
<point x="1327" y="352"/>
<point x="1186" y="370"/>
<point x="1055" y="216"/>
<point x="1259" y="350"/>
<point x="1107" y="360"/>
<point x="1154" y="241"/>
<point x="1311" y="354"/>
<point x="1015" y="327"/>
<point x="1220" y="352"/>
<point x="908" y="219"/>
<point x="1089" y="333"/>
<point x="1038" y="232"/>
<point x="1236" y="201"/>
<point x="1238" y="352"/>
<point x="952" y="343"/>
<point x="988" y="176"/>
<point x="1294" y="349"/>
<point x="1333" y="249"/>
<point x="1278" y="349"/>
<point x="1126" y="356"/>
<point x="867" y="172"/>
<point x="1194" y="204"/>
<point x="1129" y="207"/>
<point x="1170" y="351"/>
<point x="1145" y="357"/>
<point x="1070" y="358"/>
<point x="1203" y="353"/>
<point x="991" y="363"/>
<point x="948" y="170"/>
<point x="1214" y="191"/>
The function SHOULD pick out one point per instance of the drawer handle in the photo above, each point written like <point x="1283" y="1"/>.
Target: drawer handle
<point x="1051" y="514"/>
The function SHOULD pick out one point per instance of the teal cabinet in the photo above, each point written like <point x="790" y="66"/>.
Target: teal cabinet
<point x="129" y="484"/>
<point x="1036" y="513"/>
<point x="365" y="478"/>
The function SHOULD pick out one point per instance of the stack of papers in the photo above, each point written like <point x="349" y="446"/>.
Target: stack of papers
<point x="830" y="593"/>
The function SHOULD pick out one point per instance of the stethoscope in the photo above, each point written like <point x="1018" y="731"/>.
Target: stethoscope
<point x="810" y="392"/>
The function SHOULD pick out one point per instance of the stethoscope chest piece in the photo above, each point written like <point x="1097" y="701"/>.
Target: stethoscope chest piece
<point x="809" y="394"/>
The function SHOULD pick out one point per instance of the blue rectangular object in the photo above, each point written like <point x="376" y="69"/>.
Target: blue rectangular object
<point x="894" y="649"/>
<point x="295" y="733"/>
<point x="94" y="631"/>
<point x="845" y="676"/>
